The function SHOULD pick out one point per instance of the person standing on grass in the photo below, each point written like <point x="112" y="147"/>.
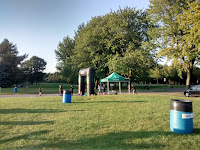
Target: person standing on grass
<point x="60" y="90"/>
<point x="133" y="89"/>
<point x="40" y="91"/>
<point x="72" y="89"/>
<point x="99" y="90"/>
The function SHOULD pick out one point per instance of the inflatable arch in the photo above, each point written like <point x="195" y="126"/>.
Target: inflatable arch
<point x="87" y="73"/>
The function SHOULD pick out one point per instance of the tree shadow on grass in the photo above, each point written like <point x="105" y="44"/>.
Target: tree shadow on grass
<point x="113" y="140"/>
<point x="25" y="136"/>
<point x="196" y="131"/>
<point x="22" y="110"/>
<point x="25" y="122"/>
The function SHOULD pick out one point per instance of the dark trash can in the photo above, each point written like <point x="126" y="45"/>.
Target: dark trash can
<point x="66" y="96"/>
<point x="15" y="89"/>
<point x="181" y="116"/>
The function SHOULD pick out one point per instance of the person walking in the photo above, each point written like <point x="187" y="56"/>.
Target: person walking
<point x="104" y="89"/>
<point x="99" y="90"/>
<point x="72" y="89"/>
<point x="61" y="90"/>
<point x="40" y="91"/>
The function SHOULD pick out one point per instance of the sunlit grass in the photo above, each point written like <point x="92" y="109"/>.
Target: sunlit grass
<point x="96" y="122"/>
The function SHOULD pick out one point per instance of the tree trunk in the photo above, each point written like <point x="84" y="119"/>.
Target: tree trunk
<point x="189" y="73"/>
<point x="129" y="73"/>
<point x="96" y="83"/>
<point x="188" y="78"/>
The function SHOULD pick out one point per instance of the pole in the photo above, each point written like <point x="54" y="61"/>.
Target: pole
<point x="79" y="84"/>
<point x="120" y="87"/>
<point x="108" y="87"/>
<point x="165" y="83"/>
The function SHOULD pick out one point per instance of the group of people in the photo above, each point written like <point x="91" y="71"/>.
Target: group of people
<point x="101" y="90"/>
<point x="60" y="90"/>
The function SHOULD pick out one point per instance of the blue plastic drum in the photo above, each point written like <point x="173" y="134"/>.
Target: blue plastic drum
<point x="66" y="96"/>
<point x="181" y="116"/>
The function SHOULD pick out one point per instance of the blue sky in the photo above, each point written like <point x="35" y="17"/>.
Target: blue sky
<point x="37" y="26"/>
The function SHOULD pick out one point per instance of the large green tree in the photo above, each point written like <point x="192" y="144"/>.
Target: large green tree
<point x="64" y="53"/>
<point x="168" y="33"/>
<point x="134" y="64"/>
<point x="33" y="69"/>
<point x="11" y="60"/>
<point x="4" y="76"/>
<point x="189" y="24"/>
<point x="111" y="37"/>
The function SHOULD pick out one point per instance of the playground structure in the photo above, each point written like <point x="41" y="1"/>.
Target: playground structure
<point x="87" y="74"/>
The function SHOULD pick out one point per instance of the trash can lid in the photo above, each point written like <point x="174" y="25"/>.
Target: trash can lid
<point x="181" y="105"/>
<point x="66" y="92"/>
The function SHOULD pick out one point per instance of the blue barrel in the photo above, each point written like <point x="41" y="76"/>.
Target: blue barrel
<point x="66" y="96"/>
<point x="15" y="89"/>
<point x="181" y="116"/>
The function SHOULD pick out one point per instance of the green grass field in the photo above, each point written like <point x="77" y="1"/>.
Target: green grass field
<point x="96" y="122"/>
<point x="48" y="88"/>
<point x="52" y="88"/>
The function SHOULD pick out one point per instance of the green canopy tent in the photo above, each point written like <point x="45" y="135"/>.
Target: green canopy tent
<point x="114" y="77"/>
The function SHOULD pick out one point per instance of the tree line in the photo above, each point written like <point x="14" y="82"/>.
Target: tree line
<point x="128" y="41"/>
<point x="131" y="42"/>
<point x="13" y="68"/>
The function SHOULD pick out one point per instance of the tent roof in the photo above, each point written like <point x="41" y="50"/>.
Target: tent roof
<point x="114" y="77"/>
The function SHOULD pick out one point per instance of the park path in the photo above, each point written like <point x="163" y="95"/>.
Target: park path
<point x="56" y="95"/>
<point x="164" y="90"/>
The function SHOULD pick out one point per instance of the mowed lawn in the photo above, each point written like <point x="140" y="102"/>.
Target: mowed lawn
<point x="48" y="88"/>
<point x="96" y="122"/>
<point x="53" y="88"/>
